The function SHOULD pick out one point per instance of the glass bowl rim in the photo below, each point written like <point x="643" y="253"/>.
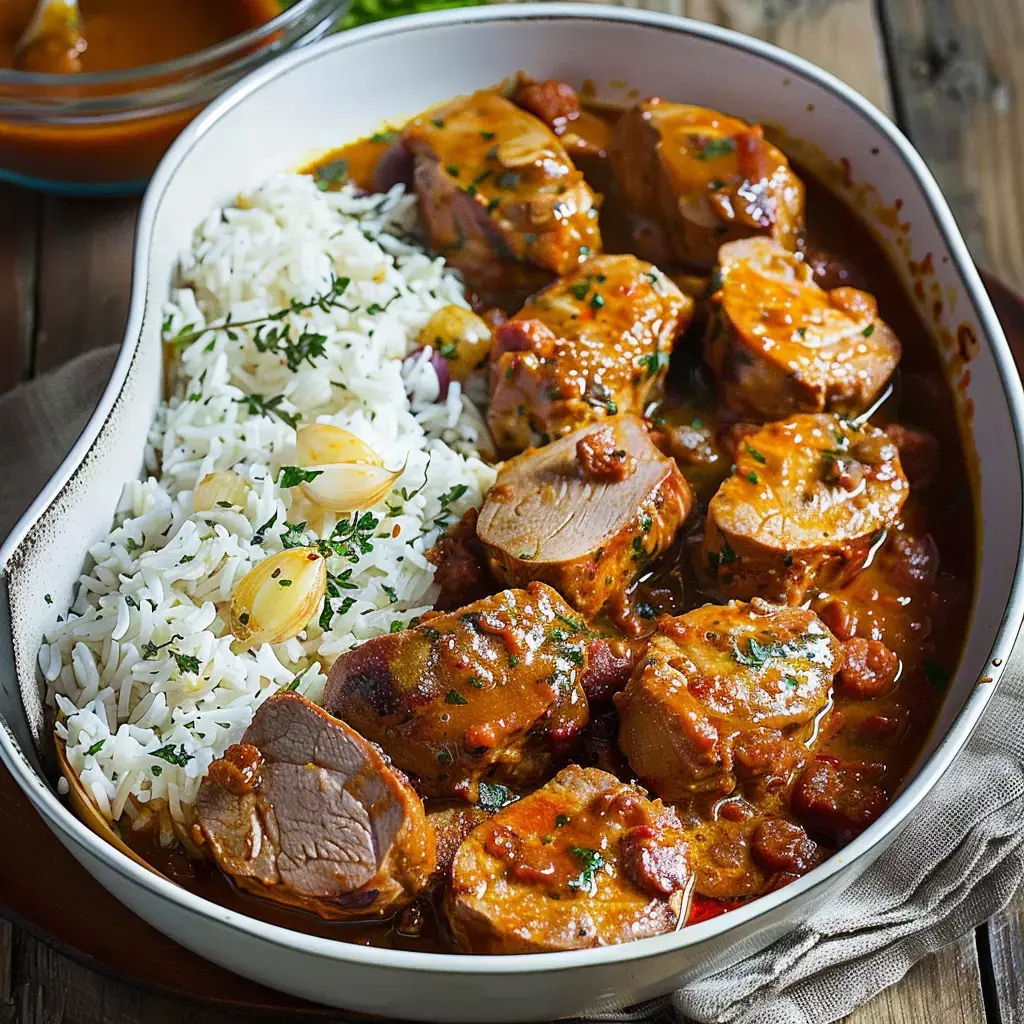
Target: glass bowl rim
<point x="287" y="18"/>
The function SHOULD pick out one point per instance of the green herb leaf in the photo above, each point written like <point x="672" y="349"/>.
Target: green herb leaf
<point x="166" y="753"/>
<point x="95" y="748"/>
<point x="492" y="797"/>
<point x="187" y="663"/>
<point x="592" y="862"/>
<point x="333" y="173"/>
<point x="715" y="148"/>
<point x="454" y="697"/>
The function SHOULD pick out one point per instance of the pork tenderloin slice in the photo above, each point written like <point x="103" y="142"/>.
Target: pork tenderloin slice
<point x="696" y="178"/>
<point x="491" y="692"/>
<point x="595" y="343"/>
<point x="584" y="861"/>
<point x="779" y="344"/>
<point x="499" y="195"/>
<point x="711" y="679"/>
<point x="308" y="813"/>
<point x="809" y="497"/>
<point x="558" y="514"/>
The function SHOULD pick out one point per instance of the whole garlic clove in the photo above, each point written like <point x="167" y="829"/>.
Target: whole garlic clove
<point x="346" y="487"/>
<point x="321" y="444"/>
<point x="225" y="489"/>
<point x="276" y="599"/>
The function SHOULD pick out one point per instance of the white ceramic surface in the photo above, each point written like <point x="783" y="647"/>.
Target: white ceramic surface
<point x="340" y="89"/>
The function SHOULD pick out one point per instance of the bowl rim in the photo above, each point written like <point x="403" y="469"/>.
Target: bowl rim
<point x="62" y="820"/>
<point x="285" y="18"/>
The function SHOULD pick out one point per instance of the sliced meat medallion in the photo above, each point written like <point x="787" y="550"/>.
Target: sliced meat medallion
<point x="596" y="343"/>
<point x="808" y="498"/>
<point x="499" y="196"/>
<point x="778" y="344"/>
<point x="698" y="178"/>
<point x="491" y="692"/>
<point x="585" y="514"/>
<point x="306" y="812"/>
<point x="584" y="861"/>
<point x="721" y="693"/>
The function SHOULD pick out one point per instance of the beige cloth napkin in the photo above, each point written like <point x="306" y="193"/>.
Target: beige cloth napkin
<point x="958" y="862"/>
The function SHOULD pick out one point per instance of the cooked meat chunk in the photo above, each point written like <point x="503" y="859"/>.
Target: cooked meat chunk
<point x="451" y="825"/>
<point x="837" y="800"/>
<point x="698" y="178"/>
<point x="306" y="812"/>
<point x="719" y="693"/>
<point x="808" y="498"/>
<point x="588" y="537"/>
<point x="556" y="103"/>
<point x="610" y="663"/>
<point x="498" y="194"/>
<point x="870" y="669"/>
<point x="595" y="343"/>
<point x="490" y="692"/>
<point x="778" y="344"/>
<point x="584" y="861"/>
<point x="781" y="845"/>
<point x="461" y="565"/>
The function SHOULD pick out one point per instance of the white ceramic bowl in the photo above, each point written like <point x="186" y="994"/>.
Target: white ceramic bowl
<point x="339" y="90"/>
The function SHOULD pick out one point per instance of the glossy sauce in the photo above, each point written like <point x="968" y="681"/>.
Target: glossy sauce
<point x="924" y="623"/>
<point x="128" y="34"/>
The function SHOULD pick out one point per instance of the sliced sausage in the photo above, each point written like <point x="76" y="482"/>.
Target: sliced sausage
<point x="806" y="501"/>
<point x="499" y="196"/>
<point x="490" y="692"/>
<point x="306" y="812"/>
<point x="584" y="861"/>
<point x="720" y="686"/>
<point x="558" y="515"/>
<point x="596" y="343"/>
<point x="778" y="344"/>
<point x="837" y="800"/>
<point x="869" y="669"/>
<point x="698" y="178"/>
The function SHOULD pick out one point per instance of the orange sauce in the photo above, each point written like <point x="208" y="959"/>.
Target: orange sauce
<point x="120" y="35"/>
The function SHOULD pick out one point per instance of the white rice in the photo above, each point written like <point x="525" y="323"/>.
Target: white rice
<point x="138" y="721"/>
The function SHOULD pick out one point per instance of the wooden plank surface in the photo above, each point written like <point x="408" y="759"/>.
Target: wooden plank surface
<point x="956" y="84"/>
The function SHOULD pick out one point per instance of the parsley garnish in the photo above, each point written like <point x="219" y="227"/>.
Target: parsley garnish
<point x="95" y="748"/>
<point x="294" y="535"/>
<point x="334" y="172"/>
<point x="653" y="362"/>
<point x="454" y="697"/>
<point x="868" y="331"/>
<point x="492" y="797"/>
<point x="187" y="663"/>
<point x="389" y="136"/>
<point x="257" y="405"/>
<point x="257" y="537"/>
<point x="292" y="476"/>
<point x="562" y="819"/>
<point x="758" y="655"/>
<point x="754" y="454"/>
<point x="592" y="862"/>
<point x="351" y="537"/>
<point x="166" y="753"/>
<point x="714" y="148"/>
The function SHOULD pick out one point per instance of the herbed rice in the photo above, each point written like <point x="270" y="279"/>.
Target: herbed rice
<point x="150" y="684"/>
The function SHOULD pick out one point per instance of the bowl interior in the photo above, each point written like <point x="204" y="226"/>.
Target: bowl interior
<point x="305" y="104"/>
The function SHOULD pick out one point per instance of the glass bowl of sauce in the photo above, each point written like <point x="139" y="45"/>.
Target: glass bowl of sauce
<point x="146" y="69"/>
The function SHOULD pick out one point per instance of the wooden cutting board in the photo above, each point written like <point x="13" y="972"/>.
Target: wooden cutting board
<point x="44" y="890"/>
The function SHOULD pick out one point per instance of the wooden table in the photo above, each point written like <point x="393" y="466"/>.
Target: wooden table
<point x="949" y="71"/>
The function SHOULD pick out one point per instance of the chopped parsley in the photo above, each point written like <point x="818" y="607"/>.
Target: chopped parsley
<point x="454" y="697"/>
<point x="712" y="149"/>
<point x="592" y="862"/>
<point x="257" y="405"/>
<point x="596" y="302"/>
<point x="187" y="663"/>
<point x="754" y="454"/>
<point x="294" y="535"/>
<point x="492" y="797"/>
<point x="167" y="753"/>
<point x="653" y="362"/>
<point x="95" y="748"/>
<point x="387" y="136"/>
<point x="562" y="819"/>
<point x="257" y="537"/>
<point x="758" y="655"/>
<point x="292" y="476"/>
<point x="351" y="537"/>
<point x="868" y="331"/>
<point x="47" y="599"/>
<point x="444" y="756"/>
<point x="334" y="172"/>
<point x="753" y="477"/>
<point x="579" y="291"/>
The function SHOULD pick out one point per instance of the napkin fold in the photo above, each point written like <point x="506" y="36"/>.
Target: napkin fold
<point x="958" y="862"/>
